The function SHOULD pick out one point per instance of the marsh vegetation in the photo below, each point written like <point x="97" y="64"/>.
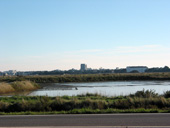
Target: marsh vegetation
<point x="141" y="101"/>
<point x="88" y="77"/>
<point x="17" y="86"/>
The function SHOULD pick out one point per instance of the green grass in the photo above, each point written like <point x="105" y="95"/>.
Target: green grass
<point x="141" y="102"/>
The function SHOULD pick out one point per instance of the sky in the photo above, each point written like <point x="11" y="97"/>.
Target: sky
<point x="40" y="35"/>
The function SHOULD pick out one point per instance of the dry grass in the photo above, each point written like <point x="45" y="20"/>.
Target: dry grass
<point x="87" y="77"/>
<point x="17" y="86"/>
<point x="6" y="88"/>
<point x="23" y="86"/>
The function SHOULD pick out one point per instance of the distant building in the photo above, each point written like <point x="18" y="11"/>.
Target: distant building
<point x="1" y="74"/>
<point x="10" y="72"/>
<point x="23" y="73"/>
<point x="139" y="69"/>
<point x="89" y="69"/>
<point x="83" y="67"/>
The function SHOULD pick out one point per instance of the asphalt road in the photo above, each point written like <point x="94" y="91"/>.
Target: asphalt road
<point x="86" y="120"/>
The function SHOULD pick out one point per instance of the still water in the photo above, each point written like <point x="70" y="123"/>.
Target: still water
<point x="103" y="88"/>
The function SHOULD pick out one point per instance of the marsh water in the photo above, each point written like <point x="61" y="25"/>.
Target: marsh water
<point x="104" y="88"/>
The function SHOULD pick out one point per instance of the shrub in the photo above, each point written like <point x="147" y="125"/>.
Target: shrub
<point x="145" y="94"/>
<point x="3" y="106"/>
<point x="57" y="104"/>
<point x="166" y="94"/>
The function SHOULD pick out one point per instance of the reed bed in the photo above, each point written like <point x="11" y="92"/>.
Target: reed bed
<point x="6" y="88"/>
<point x="24" y="86"/>
<point x="17" y="86"/>
<point x="88" y="77"/>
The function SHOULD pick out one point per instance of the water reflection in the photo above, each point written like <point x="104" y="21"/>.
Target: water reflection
<point x="103" y="88"/>
<point x="17" y="94"/>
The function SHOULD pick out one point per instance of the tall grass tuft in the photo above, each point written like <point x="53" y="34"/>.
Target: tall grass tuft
<point x="6" y="88"/>
<point x="17" y="86"/>
<point x="145" y="94"/>
<point x="23" y="86"/>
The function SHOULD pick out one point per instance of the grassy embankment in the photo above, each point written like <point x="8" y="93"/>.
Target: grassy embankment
<point x="17" y="86"/>
<point x="141" y="101"/>
<point x="89" y="77"/>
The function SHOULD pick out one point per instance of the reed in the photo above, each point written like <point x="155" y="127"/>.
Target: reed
<point x="23" y="86"/>
<point x="88" y="77"/>
<point x="6" y="88"/>
<point x="17" y="86"/>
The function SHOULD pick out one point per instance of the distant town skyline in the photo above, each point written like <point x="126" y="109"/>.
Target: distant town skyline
<point x="87" y="70"/>
<point x="85" y="67"/>
<point x="61" y="34"/>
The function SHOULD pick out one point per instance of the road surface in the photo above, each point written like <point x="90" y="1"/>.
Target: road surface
<point x="86" y="120"/>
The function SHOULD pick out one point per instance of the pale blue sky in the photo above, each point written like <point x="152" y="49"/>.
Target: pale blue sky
<point x="61" y="34"/>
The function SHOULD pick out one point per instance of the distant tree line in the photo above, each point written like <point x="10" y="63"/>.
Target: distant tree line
<point x="93" y="71"/>
<point x="149" y="70"/>
<point x="164" y="69"/>
<point x="60" y="72"/>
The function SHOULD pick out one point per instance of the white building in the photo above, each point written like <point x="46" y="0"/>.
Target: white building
<point x="11" y="72"/>
<point x="139" y="69"/>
